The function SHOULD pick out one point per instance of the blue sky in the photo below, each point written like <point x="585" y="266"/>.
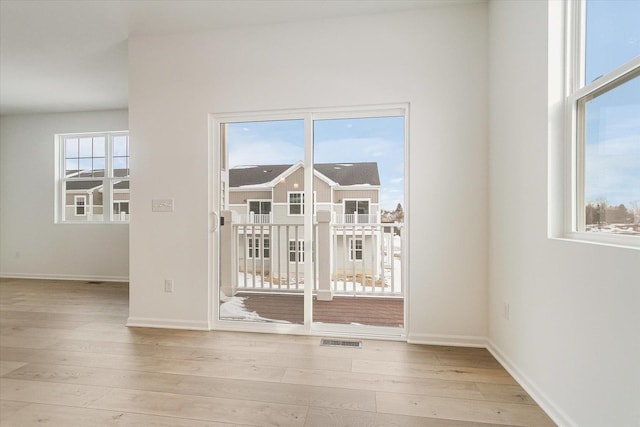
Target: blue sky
<point x="613" y="120"/>
<point x="378" y="140"/>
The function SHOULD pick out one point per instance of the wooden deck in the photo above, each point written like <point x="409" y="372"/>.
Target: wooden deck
<point x="342" y="310"/>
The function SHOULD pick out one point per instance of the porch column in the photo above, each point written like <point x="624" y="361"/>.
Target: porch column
<point x="228" y="268"/>
<point x="324" y="256"/>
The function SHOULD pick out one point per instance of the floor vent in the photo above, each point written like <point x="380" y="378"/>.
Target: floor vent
<point x="92" y="282"/>
<point x="341" y="343"/>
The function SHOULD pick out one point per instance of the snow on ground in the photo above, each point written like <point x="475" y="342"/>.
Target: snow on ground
<point x="255" y="282"/>
<point x="232" y="308"/>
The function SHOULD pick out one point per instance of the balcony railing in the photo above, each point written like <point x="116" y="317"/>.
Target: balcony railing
<point x="355" y="258"/>
<point x="356" y="218"/>
<point x="253" y="218"/>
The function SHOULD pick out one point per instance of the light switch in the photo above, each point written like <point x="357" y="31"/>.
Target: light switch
<point x="162" y="205"/>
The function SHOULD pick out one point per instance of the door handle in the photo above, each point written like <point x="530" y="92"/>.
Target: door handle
<point x="215" y="220"/>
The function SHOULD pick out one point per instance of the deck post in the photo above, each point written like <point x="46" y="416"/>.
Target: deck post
<point x="228" y="281"/>
<point x="324" y="256"/>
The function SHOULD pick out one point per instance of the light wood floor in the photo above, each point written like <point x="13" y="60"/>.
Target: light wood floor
<point x="66" y="359"/>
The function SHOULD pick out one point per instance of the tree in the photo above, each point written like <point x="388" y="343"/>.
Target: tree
<point x="399" y="213"/>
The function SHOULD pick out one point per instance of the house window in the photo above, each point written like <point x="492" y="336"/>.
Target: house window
<point x="80" y="202"/>
<point x="355" y="249"/>
<point x="121" y="207"/>
<point x="356" y="206"/>
<point x="356" y="211"/>
<point x="604" y="110"/>
<point x="296" y="203"/>
<point x="260" y="206"/>
<point x="254" y="245"/>
<point x="296" y="250"/>
<point x="93" y="177"/>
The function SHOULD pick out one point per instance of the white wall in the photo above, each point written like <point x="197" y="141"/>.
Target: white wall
<point x="31" y="245"/>
<point x="573" y="335"/>
<point x="435" y="58"/>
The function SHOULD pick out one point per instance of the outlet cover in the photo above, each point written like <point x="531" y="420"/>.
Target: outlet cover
<point x="168" y="285"/>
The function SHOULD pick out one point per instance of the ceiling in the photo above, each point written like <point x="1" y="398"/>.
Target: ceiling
<point x="63" y="56"/>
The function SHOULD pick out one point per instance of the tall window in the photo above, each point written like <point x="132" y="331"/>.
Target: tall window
<point x="355" y="249"/>
<point x="80" y="202"/>
<point x="296" y="203"/>
<point x="296" y="250"/>
<point x="604" y="112"/>
<point x="93" y="177"/>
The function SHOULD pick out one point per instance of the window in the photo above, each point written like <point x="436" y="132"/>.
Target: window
<point x="604" y="112"/>
<point x="296" y="203"/>
<point x="121" y="207"/>
<point x="253" y="247"/>
<point x="355" y="249"/>
<point x="296" y="250"/>
<point x="356" y="211"/>
<point x="260" y="206"/>
<point x="80" y="202"/>
<point x="356" y="206"/>
<point x="93" y="177"/>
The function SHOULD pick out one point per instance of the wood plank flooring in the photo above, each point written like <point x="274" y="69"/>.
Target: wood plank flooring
<point x="66" y="359"/>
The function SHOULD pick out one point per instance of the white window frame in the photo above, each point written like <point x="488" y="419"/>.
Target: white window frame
<point x="251" y="247"/>
<point x="353" y="251"/>
<point x="298" y="251"/>
<point x="107" y="181"/>
<point x="576" y="90"/>
<point x="260" y="201"/>
<point x="76" y="206"/>
<point x="289" y="204"/>
<point x="118" y="202"/>
<point x="357" y="200"/>
<point x="302" y="204"/>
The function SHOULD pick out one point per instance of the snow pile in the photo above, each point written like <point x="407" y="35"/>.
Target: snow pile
<point x="233" y="308"/>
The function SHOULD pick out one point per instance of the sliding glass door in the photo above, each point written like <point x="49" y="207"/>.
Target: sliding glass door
<point x="309" y="220"/>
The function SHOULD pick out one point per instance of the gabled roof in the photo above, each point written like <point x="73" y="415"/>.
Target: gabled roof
<point x="94" y="185"/>
<point x="345" y="174"/>
<point x="351" y="173"/>
<point x="241" y="176"/>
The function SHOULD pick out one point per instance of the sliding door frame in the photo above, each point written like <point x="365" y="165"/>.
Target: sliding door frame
<point x="215" y="161"/>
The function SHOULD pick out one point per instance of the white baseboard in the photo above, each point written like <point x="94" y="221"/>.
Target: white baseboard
<point x="145" y="322"/>
<point x="86" y="278"/>
<point x="451" y="340"/>
<point x="557" y="415"/>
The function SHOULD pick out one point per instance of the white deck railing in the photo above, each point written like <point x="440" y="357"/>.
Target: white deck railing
<point x="356" y="218"/>
<point x="349" y="258"/>
<point x="253" y="218"/>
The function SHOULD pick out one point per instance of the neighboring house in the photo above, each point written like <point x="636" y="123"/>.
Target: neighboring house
<point x="269" y="200"/>
<point x="84" y="199"/>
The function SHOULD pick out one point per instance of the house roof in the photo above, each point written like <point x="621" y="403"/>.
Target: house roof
<point x="362" y="173"/>
<point x="255" y="175"/>
<point x="83" y="185"/>
<point x="94" y="185"/>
